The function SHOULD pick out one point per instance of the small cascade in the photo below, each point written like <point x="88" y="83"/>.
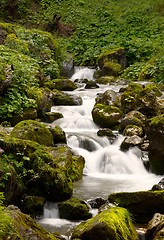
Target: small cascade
<point x="83" y="73"/>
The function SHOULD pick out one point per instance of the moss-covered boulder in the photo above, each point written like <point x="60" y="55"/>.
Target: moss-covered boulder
<point x="142" y="205"/>
<point x="113" y="224"/>
<point x="33" y="205"/>
<point x="105" y="80"/>
<point x="155" y="228"/>
<point x="106" y="116"/>
<point x="24" y="227"/>
<point x="52" y="116"/>
<point x="64" y="84"/>
<point x="129" y="121"/>
<point x="112" y="62"/>
<point x="39" y="170"/>
<point x="34" y="131"/>
<point x="74" y="209"/>
<point x="43" y="100"/>
<point x="155" y="134"/>
<point x="91" y="85"/>
<point x="58" y="134"/>
<point x="61" y="98"/>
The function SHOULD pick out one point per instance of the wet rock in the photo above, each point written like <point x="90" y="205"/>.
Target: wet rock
<point x="34" y="131"/>
<point x="74" y="209"/>
<point x="155" y="134"/>
<point x="97" y="202"/>
<point x="132" y="130"/>
<point x="155" y="229"/>
<point x="58" y="134"/>
<point x="130" y="141"/>
<point x="91" y="85"/>
<point x="159" y="186"/>
<point x="24" y="227"/>
<point x="106" y="132"/>
<point x="128" y="120"/>
<point x="142" y="205"/>
<point x="61" y="98"/>
<point x="107" y="98"/>
<point x="106" y="116"/>
<point x="64" y="84"/>
<point x="112" y="224"/>
<point x="52" y="116"/>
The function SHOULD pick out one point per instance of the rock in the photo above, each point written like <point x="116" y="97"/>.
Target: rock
<point x="155" y="229"/>
<point x="114" y="223"/>
<point x="26" y="115"/>
<point x="61" y="98"/>
<point x="33" y="205"/>
<point x="128" y="120"/>
<point x="42" y="171"/>
<point x="91" y="85"/>
<point x="132" y="130"/>
<point x="52" y="116"/>
<point x="67" y="68"/>
<point x="159" y="186"/>
<point x="58" y="134"/>
<point x="34" y="131"/>
<point x="43" y="100"/>
<point x="107" y="98"/>
<point x="106" y="116"/>
<point x="97" y="202"/>
<point x="106" y="132"/>
<point x="76" y="170"/>
<point x="24" y="227"/>
<point x="105" y="80"/>
<point x="112" y="62"/>
<point x="155" y="134"/>
<point x="64" y="84"/>
<point x="130" y="141"/>
<point x="74" y="209"/>
<point x="142" y="205"/>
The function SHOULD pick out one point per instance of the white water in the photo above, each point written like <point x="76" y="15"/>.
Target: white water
<point x="107" y="169"/>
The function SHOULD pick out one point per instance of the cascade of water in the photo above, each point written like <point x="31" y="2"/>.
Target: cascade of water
<point x="103" y="159"/>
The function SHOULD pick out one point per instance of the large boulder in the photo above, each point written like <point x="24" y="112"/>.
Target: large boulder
<point x="106" y="116"/>
<point x="37" y="170"/>
<point x="142" y="205"/>
<point x="112" y="62"/>
<point x="64" y="84"/>
<point x="74" y="209"/>
<point x="155" y="134"/>
<point x="34" y="131"/>
<point x="114" y="223"/>
<point x="22" y="226"/>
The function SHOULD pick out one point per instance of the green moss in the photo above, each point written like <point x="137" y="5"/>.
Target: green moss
<point x="34" y="131"/>
<point x="117" y="224"/>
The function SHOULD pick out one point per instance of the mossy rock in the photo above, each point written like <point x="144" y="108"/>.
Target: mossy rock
<point x="74" y="209"/>
<point x="155" y="134"/>
<point x="106" y="116"/>
<point x="64" y="84"/>
<point x="40" y="172"/>
<point x="23" y="226"/>
<point x="91" y="85"/>
<point x="76" y="171"/>
<point x="105" y="80"/>
<point x="131" y="130"/>
<point x="34" y="131"/>
<point x="113" y="224"/>
<point x="107" y="98"/>
<point x="58" y="134"/>
<point x="43" y="100"/>
<point x="142" y="205"/>
<point x="61" y="98"/>
<point x="52" y="116"/>
<point x="33" y="205"/>
<point x="129" y="120"/>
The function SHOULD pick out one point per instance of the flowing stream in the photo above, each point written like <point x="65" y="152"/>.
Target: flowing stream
<point x="107" y="169"/>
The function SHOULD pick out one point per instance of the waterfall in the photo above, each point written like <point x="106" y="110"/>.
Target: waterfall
<point x="104" y="162"/>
